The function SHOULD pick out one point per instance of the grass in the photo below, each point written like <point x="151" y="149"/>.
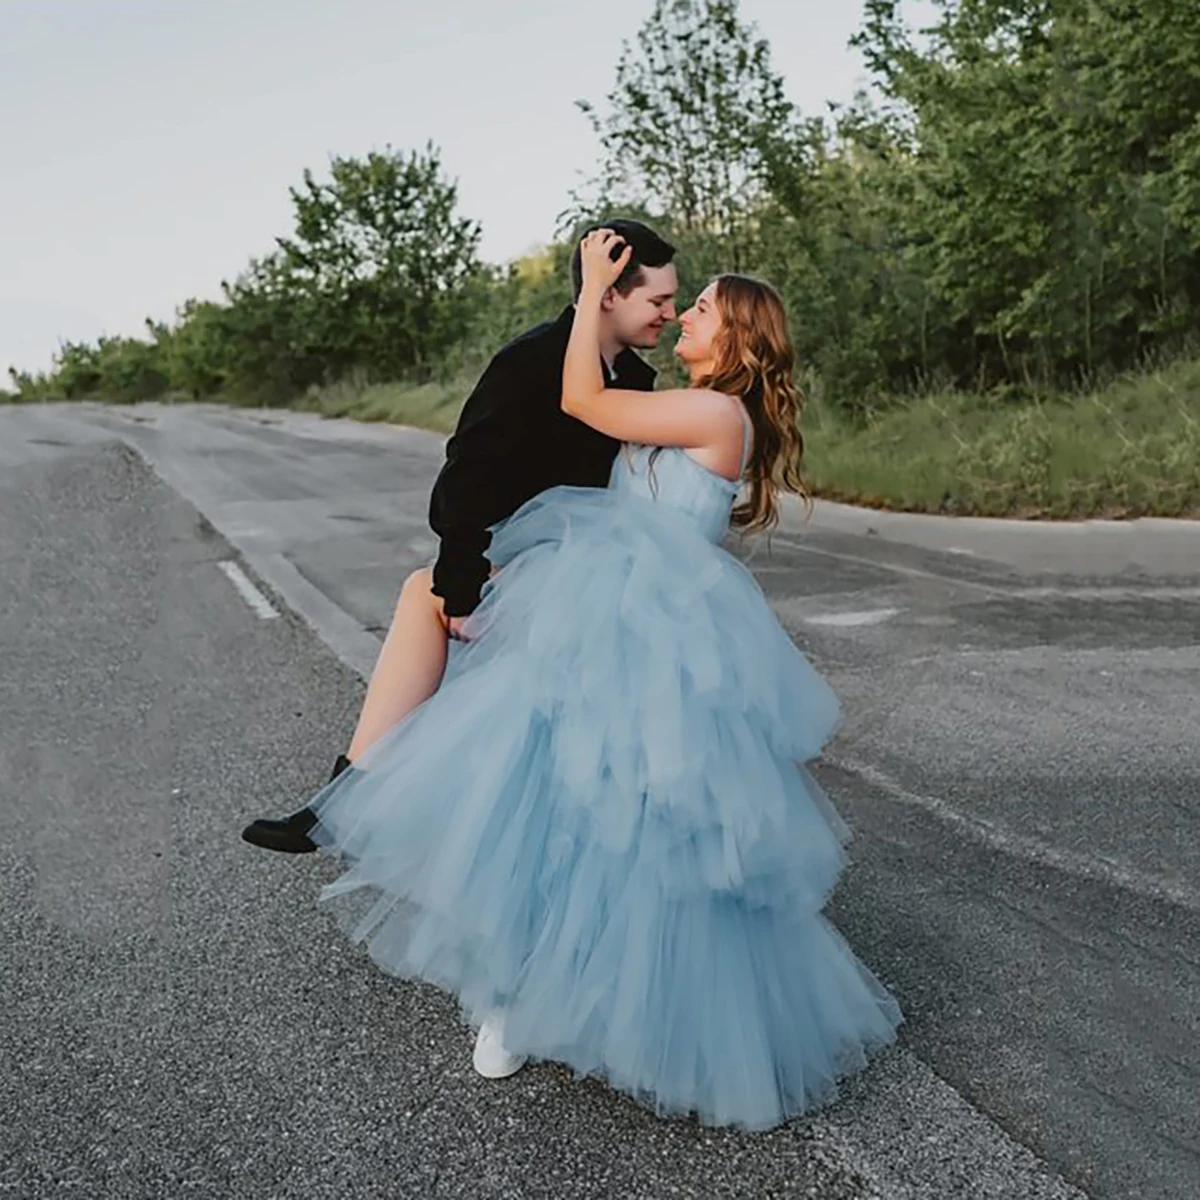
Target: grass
<point x="1131" y="449"/>
<point x="428" y="405"/>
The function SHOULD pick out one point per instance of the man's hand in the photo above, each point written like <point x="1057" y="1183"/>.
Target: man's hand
<point x="454" y="627"/>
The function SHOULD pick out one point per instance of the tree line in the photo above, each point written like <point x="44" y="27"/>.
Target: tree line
<point x="1016" y="209"/>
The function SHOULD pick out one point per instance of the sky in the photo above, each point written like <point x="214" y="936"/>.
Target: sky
<point x="147" y="146"/>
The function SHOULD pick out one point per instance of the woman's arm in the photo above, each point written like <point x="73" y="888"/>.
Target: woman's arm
<point x="680" y="417"/>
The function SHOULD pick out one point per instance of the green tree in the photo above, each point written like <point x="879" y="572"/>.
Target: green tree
<point x="697" y="123"/>
<point x="77" y="373"/>
<point x="1056" y="199"/>
<point x="377" y="264"/>
<point x="192" y="351"/>
<point x="130" y="369"/>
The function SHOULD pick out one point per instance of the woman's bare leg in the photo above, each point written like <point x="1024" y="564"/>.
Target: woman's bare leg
<point x="410" y="664"/>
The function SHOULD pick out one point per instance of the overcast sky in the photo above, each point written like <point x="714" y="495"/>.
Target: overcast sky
<point x="146" y="146"/>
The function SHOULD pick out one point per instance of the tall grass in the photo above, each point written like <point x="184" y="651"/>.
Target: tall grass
<point x="1129" y="449"/>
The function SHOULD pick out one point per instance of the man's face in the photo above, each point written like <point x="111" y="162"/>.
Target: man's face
<point x="638" y="319"/>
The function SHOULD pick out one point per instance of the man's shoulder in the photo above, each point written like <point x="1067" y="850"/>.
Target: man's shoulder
<point x="532" y="345"/>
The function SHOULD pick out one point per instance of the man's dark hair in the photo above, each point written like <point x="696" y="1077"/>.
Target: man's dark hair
<point x="649" y="250"/>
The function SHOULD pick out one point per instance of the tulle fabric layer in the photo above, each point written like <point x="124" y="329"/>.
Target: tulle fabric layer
<point x="601" y="824"/>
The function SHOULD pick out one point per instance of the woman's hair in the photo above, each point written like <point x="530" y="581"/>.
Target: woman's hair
<point x="754" y="359"/>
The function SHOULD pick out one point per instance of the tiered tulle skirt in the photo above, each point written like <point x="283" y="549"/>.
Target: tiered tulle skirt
<point x="601" y="824"/>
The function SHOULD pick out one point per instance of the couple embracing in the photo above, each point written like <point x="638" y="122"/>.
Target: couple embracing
<point x="576" y="797"/>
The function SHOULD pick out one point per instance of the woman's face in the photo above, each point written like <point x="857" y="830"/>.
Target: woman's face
<point x="700" y="326"/>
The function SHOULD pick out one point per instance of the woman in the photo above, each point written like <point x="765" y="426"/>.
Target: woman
<point x="598" y="832"/>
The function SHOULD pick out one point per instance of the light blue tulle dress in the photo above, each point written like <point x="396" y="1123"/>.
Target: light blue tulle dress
<point x="601" y="824"/>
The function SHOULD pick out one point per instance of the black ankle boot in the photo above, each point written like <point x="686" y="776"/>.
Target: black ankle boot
<point x="289" y="835"/>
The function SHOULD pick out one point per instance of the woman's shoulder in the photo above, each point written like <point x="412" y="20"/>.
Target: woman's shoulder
<point x="722" y="407"/>
<point x="705" y="396"/>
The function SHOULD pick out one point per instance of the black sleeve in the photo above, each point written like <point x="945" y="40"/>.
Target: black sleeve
<point x="474" y="489"/>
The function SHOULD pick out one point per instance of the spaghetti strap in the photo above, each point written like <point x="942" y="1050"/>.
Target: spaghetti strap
<point x="747" y="426"/>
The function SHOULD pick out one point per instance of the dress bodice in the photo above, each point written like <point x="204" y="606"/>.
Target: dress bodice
<point x="670" y="476"/>
<point x="676" y="479"/>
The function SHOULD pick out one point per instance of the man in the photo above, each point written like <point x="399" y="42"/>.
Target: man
<point x="512" y="441"/>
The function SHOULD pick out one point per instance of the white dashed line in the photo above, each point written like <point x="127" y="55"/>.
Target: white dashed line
<point x="873" y="616"/>
<point x="258" y="602"/>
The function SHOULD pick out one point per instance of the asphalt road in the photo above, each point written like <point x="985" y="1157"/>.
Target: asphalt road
<point x="1019" y="764"/>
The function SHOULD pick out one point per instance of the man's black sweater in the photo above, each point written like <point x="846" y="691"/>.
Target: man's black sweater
<point x="512" y="441"/>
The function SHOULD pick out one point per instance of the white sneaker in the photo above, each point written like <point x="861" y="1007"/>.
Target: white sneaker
<point x="491" y="1059"/>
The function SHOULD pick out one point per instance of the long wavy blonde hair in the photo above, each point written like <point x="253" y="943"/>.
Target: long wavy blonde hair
<point x="755" y="360"/>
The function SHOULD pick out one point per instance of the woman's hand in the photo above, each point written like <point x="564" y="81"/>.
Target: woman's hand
<point x="600" y="269"/>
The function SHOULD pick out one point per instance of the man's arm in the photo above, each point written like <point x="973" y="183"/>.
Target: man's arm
<point x="475" y="488"/>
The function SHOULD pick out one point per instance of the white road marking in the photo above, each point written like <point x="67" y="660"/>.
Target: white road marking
<point x="1114" y="594"/>
<point x="884" y="565"/>
<point x="1095" y="867"/>
<point x="1099" y="592"/>
<point x="873" y="616"/>
<point x="258" y="602"/>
